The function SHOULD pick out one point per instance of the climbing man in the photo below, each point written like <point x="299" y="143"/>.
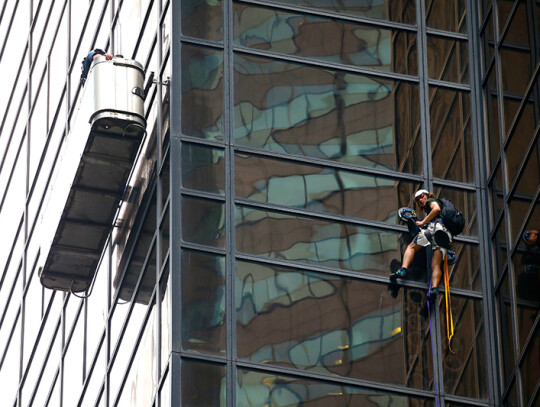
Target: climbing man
<point x="432" y="232"/>
<point x="87" y="62"/>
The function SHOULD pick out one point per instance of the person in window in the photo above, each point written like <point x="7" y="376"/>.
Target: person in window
<point x="530" y="238"/>
<point x="87" y="62"/>
<point x="432" y="233"/>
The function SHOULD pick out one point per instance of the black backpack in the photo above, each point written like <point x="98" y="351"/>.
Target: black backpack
<point x="452" y="218"/>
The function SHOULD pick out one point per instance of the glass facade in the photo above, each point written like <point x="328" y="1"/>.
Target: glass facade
<point x="248" y="263"/>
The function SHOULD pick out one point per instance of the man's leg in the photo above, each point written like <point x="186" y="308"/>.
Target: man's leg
<point x="408" y="256"/>
<point x="436" y="272"/>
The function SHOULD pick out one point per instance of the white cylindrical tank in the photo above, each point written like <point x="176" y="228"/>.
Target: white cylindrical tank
<point x="118" y="89"/>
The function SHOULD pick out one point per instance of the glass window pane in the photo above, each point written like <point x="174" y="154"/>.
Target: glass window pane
<point x="521" y="139"/>
<point x="203" y="384"/>
<point x="203" y="302"/>
<point x="516" y="70"/>
<point x="320" y="189"/>
<point x="496" y="193"/>
<point x="448" y="60"/>
<point x="491" y="119"/>
<point x="203" y="168"/>
<point x="500" y="246"/>
<point x="203" y="221"/>
<point x="401" y="11"/>
<point x="266" y="389"/>
<point x="530" y="374"/>
<point x="448" y="15"/>
<point x="306" y="35"/>
<point x="326" y="114"/>
<point x="506" y="329"/>
<point x="202" y="19"/>
<point x="202" y="92"/>
<point x="328" y="328"/>
<point x="465" y="371"/>
<point x="451" y="138"/>
<point x="316" y="241"/>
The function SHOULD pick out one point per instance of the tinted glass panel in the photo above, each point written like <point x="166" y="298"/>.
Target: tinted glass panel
<point x="327" y="328"/>
<point x="465" y="370"/>
<point x="451" y="139"/>
<point x="203" y="384"/>
<point x="203" y="168"/>
<point x="316" y="241"/>
<point x="505" y="318"/>
<point x="202" y="19"/>
<point x="448" y="60"/>
<point x="516" y="70"/>
<point x="264" y="389"/>
<point x="530" y="374"/>
<point x="203" y="221"/>
<point x="305" y="35"/>
<point x="521" y="139"/>
<point x="320" y="189"/>
<point x="203" y="302"/>
<point x="402" y="11"/>
<point x="492" y="118"/>
<point x="448" y="15"/>
<point x="326" y="114"/>
<point x="202" y="92"/>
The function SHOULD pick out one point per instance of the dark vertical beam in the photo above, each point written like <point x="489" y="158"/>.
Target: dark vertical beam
<point x="175" y="205"/>
<point x="482" y="199"/>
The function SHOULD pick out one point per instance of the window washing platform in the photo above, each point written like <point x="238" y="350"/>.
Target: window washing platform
<point x="98" y="186"/>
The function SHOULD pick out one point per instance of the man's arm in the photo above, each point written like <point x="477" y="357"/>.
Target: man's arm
<point x="435" y="210"/>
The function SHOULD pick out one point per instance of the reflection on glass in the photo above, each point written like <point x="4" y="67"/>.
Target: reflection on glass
<point x="202" y="19"/>
<point x="530" y="374"/>
<point x="465" y="370"/>
<point x="518" y="144"/>
<point x="306" y="35"/>
<point x="203" y="168"/>
<point x="448" y="15"/>
<point x="203" y="384"/>
<point x="496" y="194"/>
<point x="402" y="11"/>
<point x="451" y="138"/>
<point x="320" y="189"/>
<point x="492" y="119"/>
<point x="465" y="273"/>
<point x="315" y="241"/>
<point x="448" y="60"/>
<point x="203" y="221"/>
<point x="203" y="302"/>
<point x="516" y="71"/>
<point x="505" y="319"/>
<point x="202" y="92"/>
<point x="255" y="389"/>
<point x="327" y="327"/>
<point x="500" y="247"/>
<point x="327" y="114"/>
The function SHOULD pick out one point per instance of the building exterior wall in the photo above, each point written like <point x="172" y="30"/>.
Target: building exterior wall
<point x="249" y="261"/>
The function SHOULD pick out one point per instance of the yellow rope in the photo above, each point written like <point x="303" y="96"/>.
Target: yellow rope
<point x="449" y="320"/>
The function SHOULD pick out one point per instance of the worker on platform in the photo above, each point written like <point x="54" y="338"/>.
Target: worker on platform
<point x="87" y="62"/>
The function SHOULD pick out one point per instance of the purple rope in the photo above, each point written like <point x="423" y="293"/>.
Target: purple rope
<point x="432" y="350"/>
